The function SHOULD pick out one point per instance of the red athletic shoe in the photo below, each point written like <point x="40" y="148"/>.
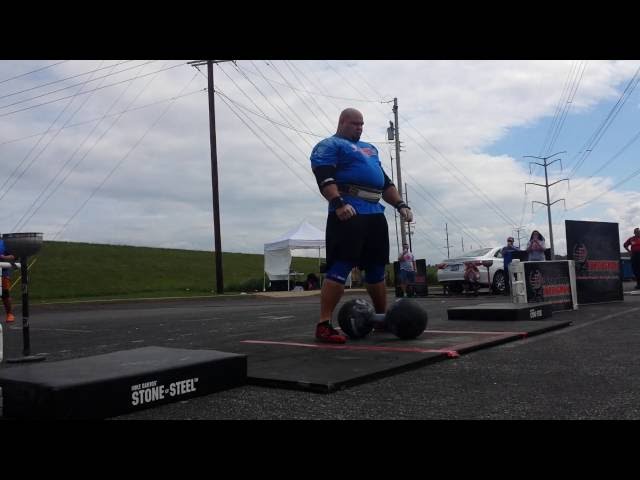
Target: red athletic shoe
<point x="327" y="334"/>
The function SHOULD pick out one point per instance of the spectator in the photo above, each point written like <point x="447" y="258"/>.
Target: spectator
<point x="634" y="243"/>
<point x="536" y="247"/>
<point x="6" y="282"/>
<point x="506" y="258"/>
<point x="407" y="268"/>
<point x="471" y="277"/>
<point x="312" y="283"/>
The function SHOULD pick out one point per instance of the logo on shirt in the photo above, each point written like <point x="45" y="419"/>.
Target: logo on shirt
<point x="369" y="152"/>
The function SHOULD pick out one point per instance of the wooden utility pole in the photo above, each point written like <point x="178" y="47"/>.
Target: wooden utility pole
<point x="446" y="229"/>
<point x="214" y="171"/>
<point x="403" y="229"/>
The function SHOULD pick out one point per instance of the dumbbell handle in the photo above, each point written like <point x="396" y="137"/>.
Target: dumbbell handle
<point x="378" y="318"/>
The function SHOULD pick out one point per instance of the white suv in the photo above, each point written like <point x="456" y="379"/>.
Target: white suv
<point x="489" y="262"/>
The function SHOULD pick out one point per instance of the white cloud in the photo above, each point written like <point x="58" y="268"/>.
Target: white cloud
<point x="161" y="194"/>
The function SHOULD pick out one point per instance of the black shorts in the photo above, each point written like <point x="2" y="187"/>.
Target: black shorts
<point x="363" y="240"/>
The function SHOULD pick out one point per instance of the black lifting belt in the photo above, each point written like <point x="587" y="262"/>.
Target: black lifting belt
<point x="369" y="194"/>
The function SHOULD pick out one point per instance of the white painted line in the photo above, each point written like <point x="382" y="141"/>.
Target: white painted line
<point x="60" y="330"/>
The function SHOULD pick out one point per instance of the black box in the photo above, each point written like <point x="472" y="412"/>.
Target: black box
<point x="115" y="383"/>
<point x="502" y="311"/>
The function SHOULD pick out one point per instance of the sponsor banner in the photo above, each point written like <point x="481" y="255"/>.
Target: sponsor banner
<point x="595" y="249"/>
<point x="549" y="282"/>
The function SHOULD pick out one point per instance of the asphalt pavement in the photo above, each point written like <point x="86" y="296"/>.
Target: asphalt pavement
<point x="588" y="370"/>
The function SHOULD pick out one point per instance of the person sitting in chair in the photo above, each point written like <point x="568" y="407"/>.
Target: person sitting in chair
<point x="471" y="277"/>
<point x="312" y="283"/>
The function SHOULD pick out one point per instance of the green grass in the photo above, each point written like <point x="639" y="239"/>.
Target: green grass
<point x="82" y="271"/>
<point x="64" y="270"/>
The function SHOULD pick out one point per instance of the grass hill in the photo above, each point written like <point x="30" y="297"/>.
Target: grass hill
<point x="83" y="271"/>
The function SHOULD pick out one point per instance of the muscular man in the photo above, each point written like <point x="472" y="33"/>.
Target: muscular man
<point x="351" y="178"/>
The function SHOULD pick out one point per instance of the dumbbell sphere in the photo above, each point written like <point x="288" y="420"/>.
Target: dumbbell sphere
<point x="406" y="319"/>
<point x="355" y="318"/>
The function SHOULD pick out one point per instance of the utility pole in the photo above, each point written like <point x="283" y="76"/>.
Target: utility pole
<point x="546" y="186"/>
<point x="518" y="230"/>
<point x="214" y="171"/>
<point x="406" y="199"/>
<point x="395" y="212"/>
<point x="446" y="229"/>
<point x="462" y="240"/>
<point x="403" y="233"/>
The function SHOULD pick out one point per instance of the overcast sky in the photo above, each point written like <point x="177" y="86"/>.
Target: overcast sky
<point x="77" y="168"/>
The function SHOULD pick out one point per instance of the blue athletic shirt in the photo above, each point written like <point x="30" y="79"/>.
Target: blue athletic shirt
<point x="356" y="163"/>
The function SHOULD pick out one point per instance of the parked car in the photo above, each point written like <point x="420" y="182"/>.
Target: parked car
<point x="489" y="261"/>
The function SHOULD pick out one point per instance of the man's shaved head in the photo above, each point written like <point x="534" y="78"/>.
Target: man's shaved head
<point x="350" y="124"/>
<point x="348" y="113"/>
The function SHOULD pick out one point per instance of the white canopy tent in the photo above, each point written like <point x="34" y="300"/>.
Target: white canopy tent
<point x="277" y="254"/>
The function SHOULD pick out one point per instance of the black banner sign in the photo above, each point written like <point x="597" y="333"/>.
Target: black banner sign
<point x="595" y="249"/>
<point x="549" y="282"/>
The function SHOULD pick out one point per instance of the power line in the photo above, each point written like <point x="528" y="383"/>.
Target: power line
<point x="269" y="119"/>
<point x="70" y="86"/>
<point x="221" y="94"/>
<point x="608" y="162"/>
<point x="292" y="67"/>
<point x="318" y="84"/>
<point x="373" y="89"/>
<point x="19" y="176"/>
<point x="554" y="130"/>
<point x="121" y="161"/>
<point x="624" y="180"/>
<point x="32" y="71"/>
<point x="85" y="122"/>
<point x="307" y="91"/>
<point x="597" y="135"/>
<point x="277" y="109"/>
<point x="314" y="190"/>
<point x="566" y="109"/>
<point x="89" y="91"/>
<point x="346" y="80"/>
<point x="302" y="122"/>
<point x="24" y="219"/>
<point x="263" y="114"/>
<point x="65" y="79"/>
<point x="561" y="103"/>
<point x="442" y="209"/>
<point x="595" y="138"/>
<point x="476" y="191"/>
<point x="273" y="65"/>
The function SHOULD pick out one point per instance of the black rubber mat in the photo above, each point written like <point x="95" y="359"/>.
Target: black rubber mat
<point x="299" y="362"/>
